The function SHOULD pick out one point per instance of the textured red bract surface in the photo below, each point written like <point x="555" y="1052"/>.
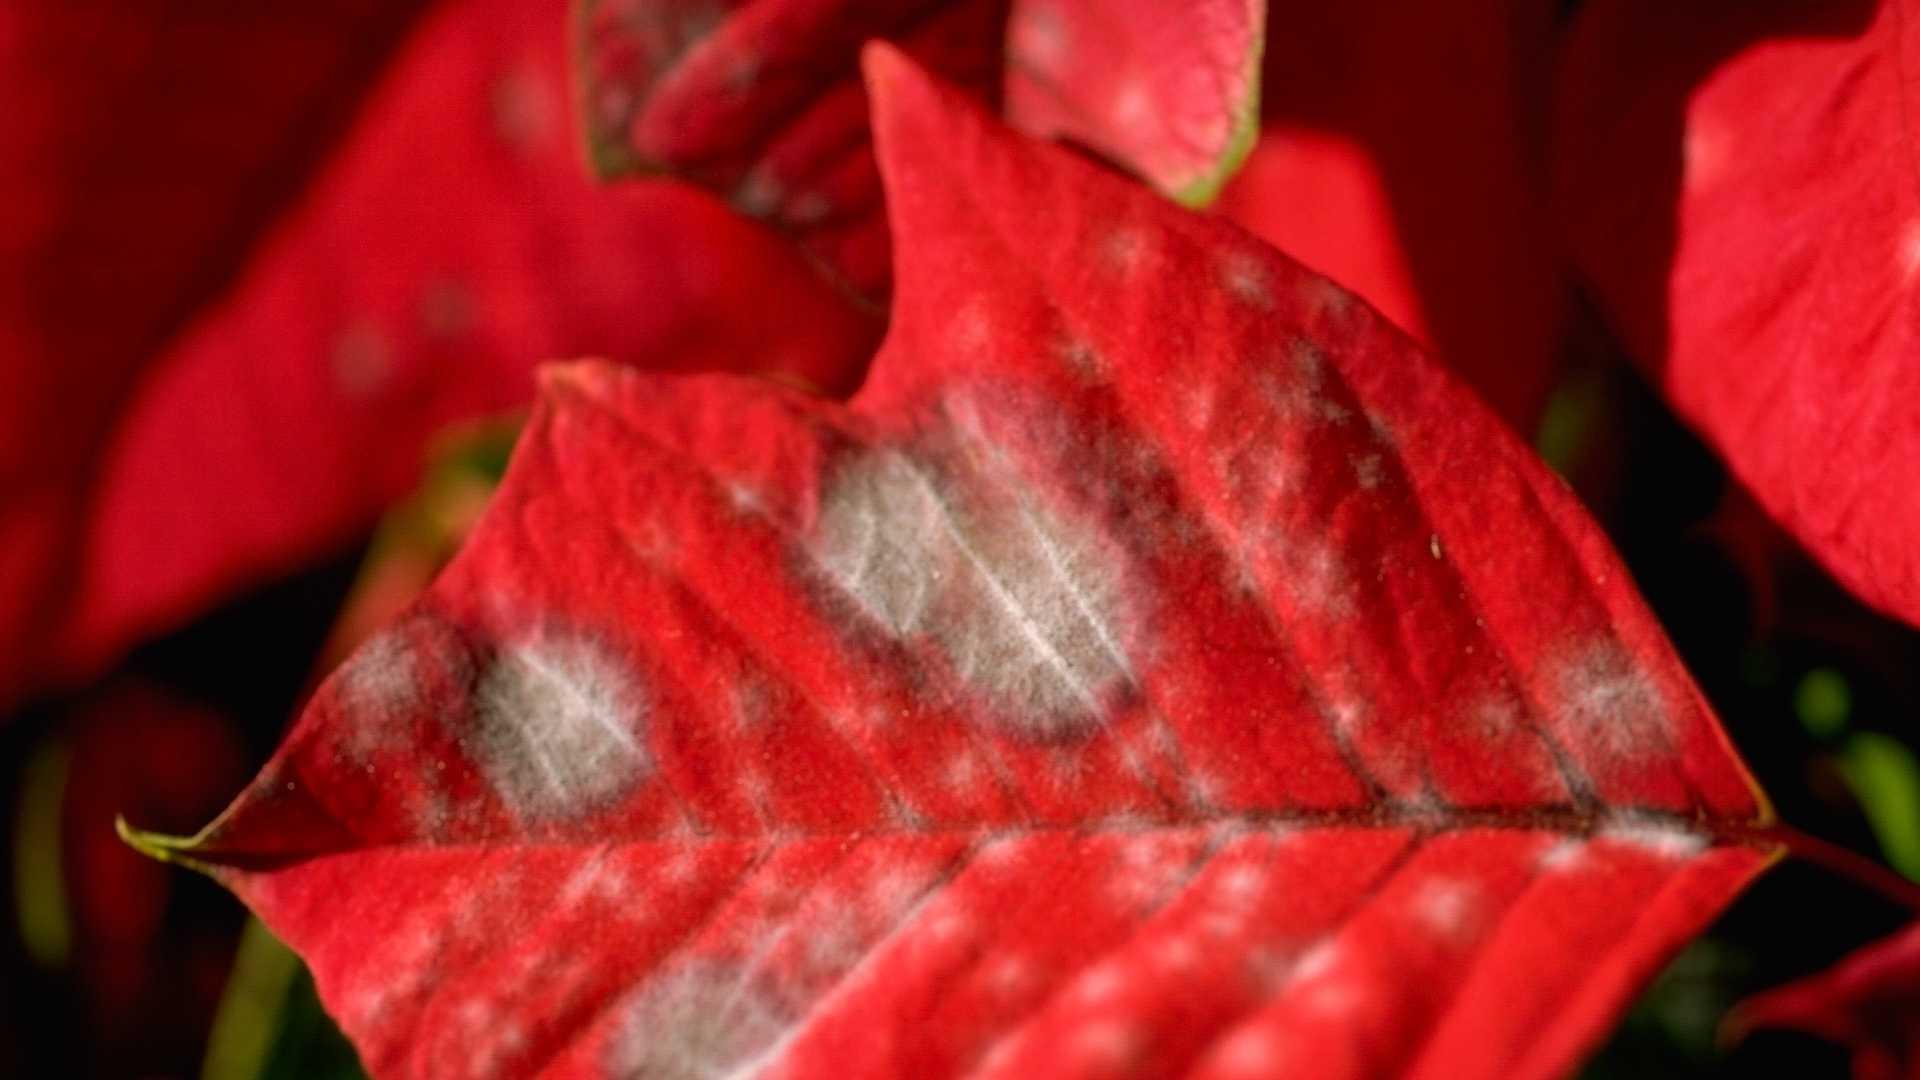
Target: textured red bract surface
<point x="1171" y="90"/>
<point x="1870" y="1001"/>
<point x="1398" y="155"/>
<point x="452" y="241"/>
<point x="1159" y="665"/>
<point x="1738" y="183"/>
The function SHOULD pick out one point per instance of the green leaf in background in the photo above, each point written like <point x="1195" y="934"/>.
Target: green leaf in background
<point x="1885" y="776"/>
<point x="270" y="1025"/>
<point x="1824" y="702"/>
<point x="39" y="884"/>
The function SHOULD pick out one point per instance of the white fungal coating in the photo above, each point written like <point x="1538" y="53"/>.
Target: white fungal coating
<point x="377" y="686"/>
<point x="1667" y="840"/>
<point x="1023" y="608"/>
<point x="557" y="727"/>
<point x="1447" y="906"/>
<point x="704" y="1020"/>
<point x="1608" y="702"/>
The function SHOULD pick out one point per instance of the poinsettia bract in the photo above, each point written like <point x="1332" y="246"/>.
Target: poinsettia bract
<point x="1159" y="666"/>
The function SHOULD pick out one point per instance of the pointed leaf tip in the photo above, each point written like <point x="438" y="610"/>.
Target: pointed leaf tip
<point x="158" y="846"/>
<point x="903" y="95"/>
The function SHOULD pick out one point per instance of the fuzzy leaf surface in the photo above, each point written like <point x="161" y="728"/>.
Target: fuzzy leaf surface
<point x="1159" y="666"/>
<point x="1738" y="184"/>
<point x="449" y="242"/>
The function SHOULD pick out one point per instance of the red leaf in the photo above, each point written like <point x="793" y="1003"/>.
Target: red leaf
<point x="1397" y="155"/>
<point x="761" y="101"/>
<point x="1869" y="1001"/>
<point x="1171" y="90"/>
<point x="451" y="242"/>
<point x="1737" y="181"/>
<point x="133" y="176"/>
<point x="1160" y="665"/>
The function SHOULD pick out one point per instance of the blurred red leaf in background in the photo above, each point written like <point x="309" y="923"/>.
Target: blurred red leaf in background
<point x="450" y="242"/>
<point x="1870" y="1001"/>
<point x="1738" y="183"/>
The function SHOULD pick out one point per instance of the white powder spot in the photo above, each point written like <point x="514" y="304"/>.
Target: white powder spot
<point x="1199" y="404"/>
<point x="1124" y="249"/>
<point x="1010" y="975"/>
<point x="949" y="925"/>
<point x="379" y="684"/>
<point x="1447" y="906"/>
<point x="1316" y="962"/>
<point x="746" y="499"/>
<point x="962" y="771"/>
<point x="1023" y="607"/>
<point x="1315" y="573"/>
<point x="1567" y="855"/>
<point x="1368" y="470"/>
<point x="1246" y="278"/>
<point x="556" y="728"/>
<point x="1433" y="545"/>
<point x="362" y="359"/>
<point x="1079" y="357"/>
<point x="1909" y="251"/>
<point x="1668" y="840"/>
<point x="1495" y="718"/>
<point x="1243" y="884"/>
<point x="1609" y="700"/>
<point x="704" y="1020"/>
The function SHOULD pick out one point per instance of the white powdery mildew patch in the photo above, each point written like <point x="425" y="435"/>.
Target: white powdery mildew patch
<point x="1247" y="279"/>
<point x="557" y="727"/>
<point x="1609" y="701"/>
<point x="1023" y="607"/>
<point x="377" y="688"/>
<point x="1449" y="907"/>
<point x="1565" y="856"/>
<point x="1314" y="572"/>
<point x="704" y="1020"/>
<point x="1668" y="840"/>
